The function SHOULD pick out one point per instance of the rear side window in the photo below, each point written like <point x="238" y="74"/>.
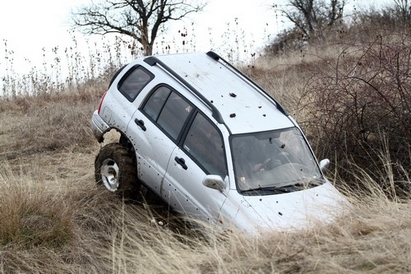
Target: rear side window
<point x="168" y="109"/>
<point x="156" y="102"/>
<point x="134" y="81"/>
<point x="205" y="144"/>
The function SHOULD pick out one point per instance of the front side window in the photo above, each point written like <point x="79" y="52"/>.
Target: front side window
<point x="134" y="81"/>
<point x="273" y="162"/>
<point x="205" y="145"/>
<point x="168" y="109"/>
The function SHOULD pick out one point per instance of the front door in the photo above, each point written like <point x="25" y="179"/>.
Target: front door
<point x="201" y="153"/>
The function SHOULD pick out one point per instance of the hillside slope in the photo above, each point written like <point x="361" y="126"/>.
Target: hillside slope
<point x="55" y="220"/>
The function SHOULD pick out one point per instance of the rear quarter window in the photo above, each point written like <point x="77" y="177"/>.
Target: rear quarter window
<point x="134" y="81"/>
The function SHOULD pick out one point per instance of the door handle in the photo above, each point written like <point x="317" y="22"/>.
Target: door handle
<point x="140" y="123"/>
<point x="181" y="162"/>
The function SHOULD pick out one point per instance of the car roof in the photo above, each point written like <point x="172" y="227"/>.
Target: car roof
<point x="241" y="104"/>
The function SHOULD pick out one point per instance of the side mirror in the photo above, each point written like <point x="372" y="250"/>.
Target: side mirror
<point x="324" y="164"/>
<point x="214" y="182"/>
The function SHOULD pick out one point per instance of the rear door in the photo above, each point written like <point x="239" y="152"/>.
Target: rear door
<point x="155" y="130"/>
<point x="201" y="152"/>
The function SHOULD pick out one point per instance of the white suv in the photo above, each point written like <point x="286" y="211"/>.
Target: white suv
<point x="212" y="144"/>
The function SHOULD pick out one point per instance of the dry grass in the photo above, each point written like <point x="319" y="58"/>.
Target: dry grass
<point x="46" y="123"/>
<point x="54" y="219"/>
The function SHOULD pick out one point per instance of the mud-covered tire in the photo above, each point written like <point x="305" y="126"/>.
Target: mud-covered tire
<point x="116" y="170"/>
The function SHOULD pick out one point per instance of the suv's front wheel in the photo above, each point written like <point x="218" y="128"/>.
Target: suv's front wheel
<point x="116" y="169"/>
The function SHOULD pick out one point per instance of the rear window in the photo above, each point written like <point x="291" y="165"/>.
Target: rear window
<point x="134" y="81"/>
<point x="168" y="110"/>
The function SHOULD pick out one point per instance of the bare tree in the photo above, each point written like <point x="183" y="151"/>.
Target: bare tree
<point x="403" y="9"/>
<point x="138" y="19"/>
<point x="312" y="16"/>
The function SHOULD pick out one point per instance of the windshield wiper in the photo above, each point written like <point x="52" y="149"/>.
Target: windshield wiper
<point x="268" y="190"/>
<point x="283" y="189"/>
<point x="309" y="183"/>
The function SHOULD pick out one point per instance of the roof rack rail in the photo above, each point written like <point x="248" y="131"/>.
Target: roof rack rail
<point x="152" y="60"/>
<point x="217" y="57"/>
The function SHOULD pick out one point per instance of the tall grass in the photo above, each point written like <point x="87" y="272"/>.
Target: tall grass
<point x="67" y="225"/>
<point x="47" y="123"/>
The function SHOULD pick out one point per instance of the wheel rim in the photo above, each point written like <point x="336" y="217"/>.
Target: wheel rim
<point x="110" y="174"/>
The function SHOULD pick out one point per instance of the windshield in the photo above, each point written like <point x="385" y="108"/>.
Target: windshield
<point x="273" y="160"/>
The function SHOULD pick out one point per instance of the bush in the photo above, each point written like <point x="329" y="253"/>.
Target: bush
<point x="360" y="105"/>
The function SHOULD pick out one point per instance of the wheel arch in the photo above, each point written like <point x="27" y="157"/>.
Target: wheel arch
<point x="115" y="135"/>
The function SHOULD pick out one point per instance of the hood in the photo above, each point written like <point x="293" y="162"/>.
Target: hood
<point x="295" y="210"/>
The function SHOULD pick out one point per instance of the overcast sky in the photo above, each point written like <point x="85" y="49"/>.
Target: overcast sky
<point x="30" y="25"/>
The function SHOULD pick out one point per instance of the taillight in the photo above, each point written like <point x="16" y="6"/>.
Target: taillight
<point x="101" y="102"/>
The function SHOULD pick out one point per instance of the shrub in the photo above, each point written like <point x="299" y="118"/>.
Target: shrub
<point x="360" y="104"/>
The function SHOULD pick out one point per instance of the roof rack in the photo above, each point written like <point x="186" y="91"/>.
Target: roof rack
<point x="217" y="58"/>
<point x="152" y="60"/>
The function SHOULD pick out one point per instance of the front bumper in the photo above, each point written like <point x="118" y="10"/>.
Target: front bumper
<point x="98" y="126"/>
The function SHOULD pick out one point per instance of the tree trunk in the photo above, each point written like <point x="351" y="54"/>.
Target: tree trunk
<point x="148" y="49"/>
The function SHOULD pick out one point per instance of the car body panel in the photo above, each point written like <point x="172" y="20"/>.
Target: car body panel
<point x="153" y="151"/>
<point x="116" y="111"/>
<point x="183" y="190"/>
<point x="98" y="126"/>
<point x="284" y="212"/>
